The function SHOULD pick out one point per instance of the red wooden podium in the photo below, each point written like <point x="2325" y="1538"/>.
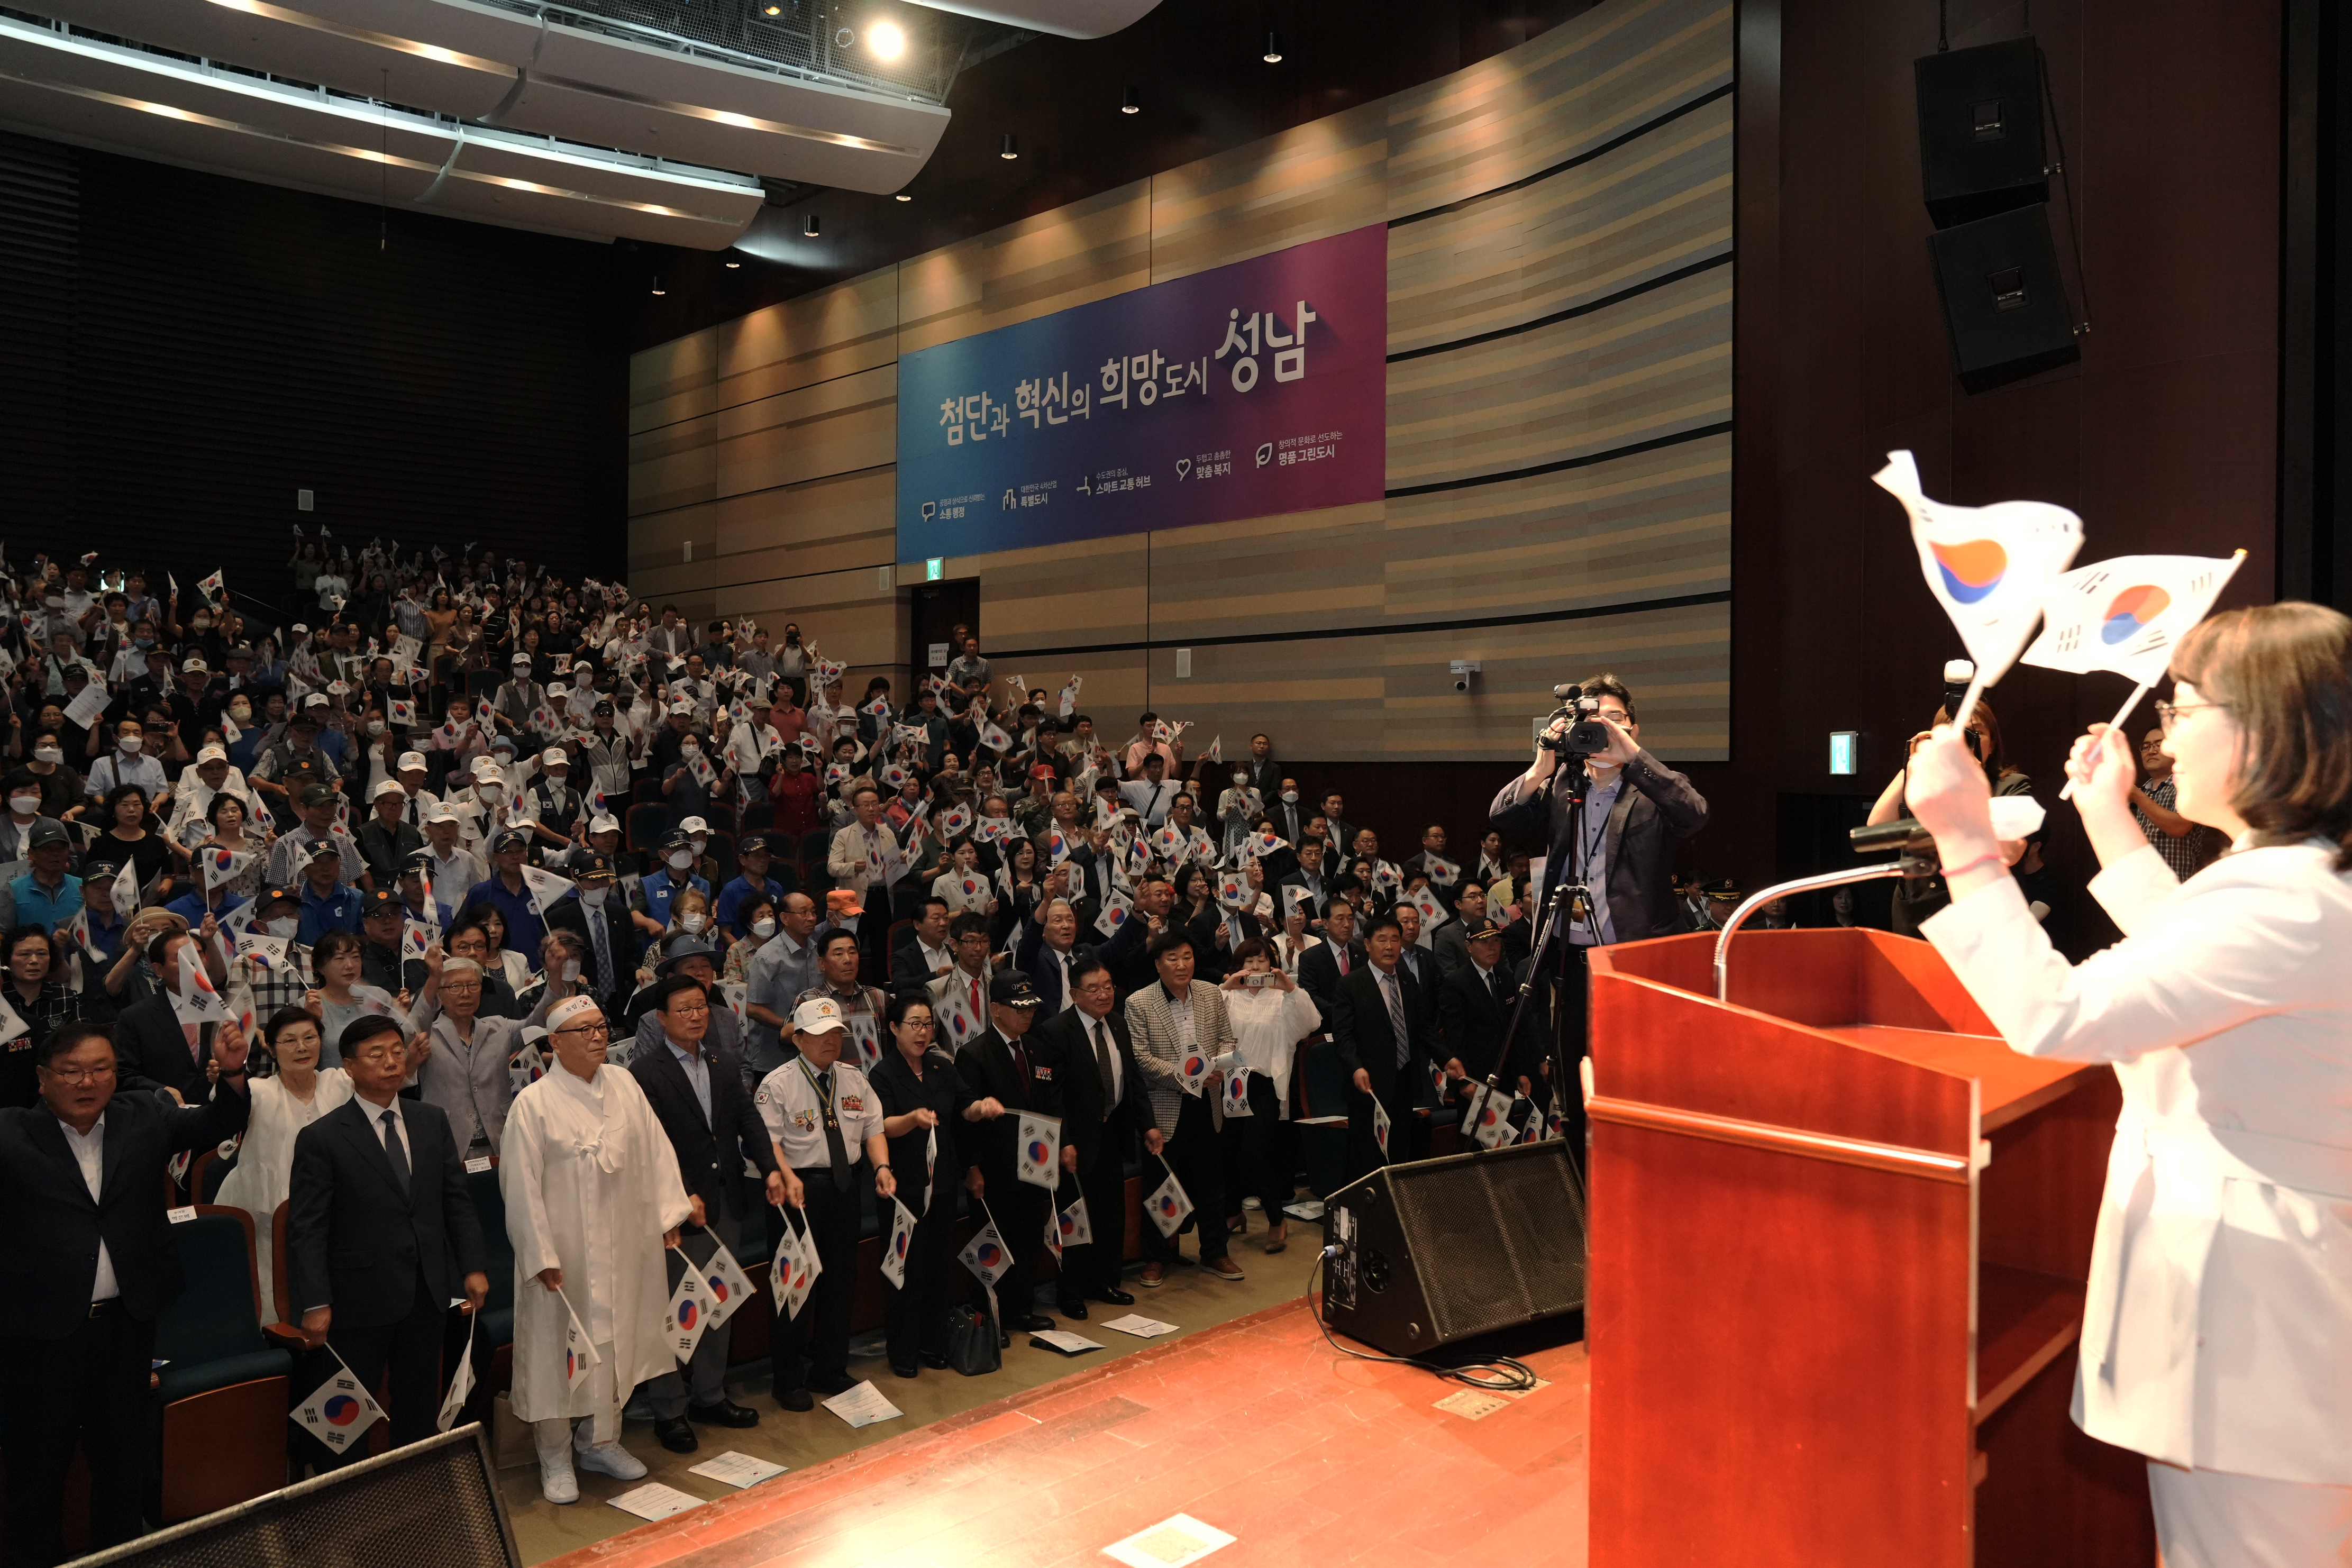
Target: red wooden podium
<point x="1839" y="1237"/>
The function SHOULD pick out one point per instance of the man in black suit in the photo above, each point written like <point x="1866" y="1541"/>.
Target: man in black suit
<point x="1103" y="1101"/>
<point x="1023" y="1074"/>
<point x="1376" y="1028"/>
<point x="157" y="1050"/>
<point x="89" y="1262"/>
<point x="1264" y="772"/>
<point x="1048" y="948"/>
<point x="1308" y="877"/>
<point x="696" y="1087"/>
<point x="1323" y="968"/>
<point x="1621" y="846"/>
<point x="608" y="938"/>
<point x="1289" y="811"/>
<point x="1474" y="1007"/>
<point x="924" y="955"/>
<point x="379" y="1229"/>
<point x="1338" y="835"/>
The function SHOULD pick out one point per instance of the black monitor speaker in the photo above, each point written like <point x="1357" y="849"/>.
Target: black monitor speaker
<point x="1980" y="147"/>
<point x="2004" y="302"/>
<point x="434" y="1502"/>
<point x="1441" y="1250"/>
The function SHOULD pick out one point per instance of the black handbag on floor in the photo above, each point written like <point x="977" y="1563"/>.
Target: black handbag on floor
<point x="972" y="1342"/>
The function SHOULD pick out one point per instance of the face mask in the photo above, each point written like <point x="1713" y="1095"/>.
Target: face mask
<point x="570" y="971"/>
<point x="203" y="625"/>
<point x="132" y="744"/>
<point x="680" y="860"/>
<point x="1241" y="779"/>
<point x="581" y="678"/>
<point x="692" y="924"/>
<point x="763" y="930"/>
<point x="241" y="712"/>
<point x="48" y="754"/>
<point x="375" y="726"/>
<point x="24" y="805"/>
<point x="689" y="750"/>
<point x="143" y="642"/>
<point x="1290" y="797"/>
<point x="285" y="925"/>
<point x="699" y="845"/>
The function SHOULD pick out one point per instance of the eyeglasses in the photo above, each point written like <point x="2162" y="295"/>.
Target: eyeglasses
<point x="79" y="1075"/>
<point x="589" y="1029"/>
<point x="689" y="1009"/>
<point x="2167" y="714"/>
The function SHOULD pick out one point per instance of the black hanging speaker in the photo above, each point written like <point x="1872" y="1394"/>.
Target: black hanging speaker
<point x="1441" y="1250"/>
<point x="1980" y="149"/>
<point x="2004" y="302"/>
<point x="435" y="1501"/>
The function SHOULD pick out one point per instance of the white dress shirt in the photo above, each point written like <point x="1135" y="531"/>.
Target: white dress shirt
<point x="89" y="1152"/>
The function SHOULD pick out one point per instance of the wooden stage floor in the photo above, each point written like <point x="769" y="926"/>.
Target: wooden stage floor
<point x="1258" y="1427"/>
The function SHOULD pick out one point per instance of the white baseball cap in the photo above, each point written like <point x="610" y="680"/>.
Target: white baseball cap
<point x="818" y="1016"/>
<point x="387" y="786"/>
<point x="692" y="825"/>
<point x="410" y="760"/>
<point x="603" y="822"/>
<point x="486" y="768"/>
<point x="211" y="755"/>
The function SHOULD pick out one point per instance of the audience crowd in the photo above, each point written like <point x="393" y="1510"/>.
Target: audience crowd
<point x="449" y="861"/>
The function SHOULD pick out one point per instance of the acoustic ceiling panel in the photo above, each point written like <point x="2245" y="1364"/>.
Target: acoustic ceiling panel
<point x="1064" y="18"/>
<point x="480" y="63"/>
<point x="150" y="105"/>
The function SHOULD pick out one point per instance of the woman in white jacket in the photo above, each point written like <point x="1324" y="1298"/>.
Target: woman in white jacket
<point x="297" y="1094"/>
<point x="2217" y="1337"/>
<point x="1270" y="1015"/>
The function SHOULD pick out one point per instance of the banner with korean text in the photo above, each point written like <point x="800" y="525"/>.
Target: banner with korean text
<point x="1241" y="391"/>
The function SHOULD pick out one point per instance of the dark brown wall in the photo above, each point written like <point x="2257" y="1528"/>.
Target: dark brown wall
<point x="2164" y="438"/>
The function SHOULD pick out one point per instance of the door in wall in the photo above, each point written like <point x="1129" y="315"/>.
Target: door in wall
<point x="938" y="609"/>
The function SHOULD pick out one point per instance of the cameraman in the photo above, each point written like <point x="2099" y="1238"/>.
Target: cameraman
<point x="1636" y="810"/>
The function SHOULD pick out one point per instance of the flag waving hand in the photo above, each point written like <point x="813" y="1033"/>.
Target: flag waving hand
<point x="1989" y="567"/>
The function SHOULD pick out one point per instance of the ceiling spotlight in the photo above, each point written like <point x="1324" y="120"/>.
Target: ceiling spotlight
<point x="1273" y="54"/>
<point x="772" y="10"/>
<point x="658" y="288"/>
<point x="885" y="40"/>
<point x="732" y="264"/>
<point x="1132" y="103"/>
<point x="808" y="227"/>
<point x="903" y="196"/>
<point x="1012" y="148"/>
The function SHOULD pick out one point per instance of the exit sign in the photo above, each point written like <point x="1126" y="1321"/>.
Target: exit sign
<point x="935" y="568"/>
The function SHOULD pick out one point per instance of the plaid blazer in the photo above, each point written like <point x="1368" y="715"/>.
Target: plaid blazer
<point x="1152" y="1026"/>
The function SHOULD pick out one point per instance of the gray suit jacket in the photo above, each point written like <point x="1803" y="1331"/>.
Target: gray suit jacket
<point x="1152" y="1027"/>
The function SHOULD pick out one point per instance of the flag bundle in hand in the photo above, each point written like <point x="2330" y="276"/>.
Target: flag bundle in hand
<point x="902" y="1236"/>
<point x="1168" y="1205"/>
<point x="1990" y="567"/>
<point x="796" y="1267"/>
<point x="1040" y="1151"/>
<point x="338" y="1410"/>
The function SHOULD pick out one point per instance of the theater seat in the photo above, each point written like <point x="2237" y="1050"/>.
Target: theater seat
<point x="497" y="1329"/>
<point x="222" y="1395"/>
<point x="647" y="823"/>
<point x="1322" y="1090"/>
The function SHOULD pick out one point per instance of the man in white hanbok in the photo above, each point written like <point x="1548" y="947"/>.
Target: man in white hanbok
<point x="592" y="1196"/>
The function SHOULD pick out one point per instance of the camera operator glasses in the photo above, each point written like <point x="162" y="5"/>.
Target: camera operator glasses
<point x="2167" y="714"/>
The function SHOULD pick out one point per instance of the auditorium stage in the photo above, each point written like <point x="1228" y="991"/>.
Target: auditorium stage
<point x="1257" y="1427"/>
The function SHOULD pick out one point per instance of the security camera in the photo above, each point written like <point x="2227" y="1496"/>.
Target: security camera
<point x="1461" y="671"/>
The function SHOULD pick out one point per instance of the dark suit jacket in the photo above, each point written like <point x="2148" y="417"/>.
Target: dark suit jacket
<point x="1421" y="965"/>
<point x="354" y="1241"/>
<point x="1320" y="973"/>
<point x="986" y="1066"/>
<point x="1031" y="955"/>
<point x="50" y="1226"/>
<point x="1364" y="1038"/>
<point x="151" y="1051"/>
<point x="708" y="1158"/>
<point x="1265" y="777"/>
<point x="1471" y="1020"/>
<point x="1085" y="1120"/>
<point x="907" y="965"/>
<point x="571" y="915"/>
<point x="1656" y="809"/>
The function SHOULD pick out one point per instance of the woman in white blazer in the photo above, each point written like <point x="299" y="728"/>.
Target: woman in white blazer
<point x="2217" y="1339"/>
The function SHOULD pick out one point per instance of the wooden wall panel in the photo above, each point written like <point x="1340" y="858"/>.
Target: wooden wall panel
<point x="1568" y="202"/>
<point x="1654" y="365"/>
<point x="1557" y="97"/>
<point x="1659" y="203"/>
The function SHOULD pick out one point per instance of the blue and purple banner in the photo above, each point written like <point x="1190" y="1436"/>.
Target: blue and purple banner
<point x="1253" y="389"/>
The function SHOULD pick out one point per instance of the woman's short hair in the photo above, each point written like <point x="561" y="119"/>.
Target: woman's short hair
<point x="114" y="799"/>
<point x="18" y="935"/>
<point x="224" y="797"/>
<point x="328" y="946"/>
<point x="1253" y="948"/>
<point x="285" y="1019"/>
<point x="2284" y="672"/>
<point x="906" y="1002"/>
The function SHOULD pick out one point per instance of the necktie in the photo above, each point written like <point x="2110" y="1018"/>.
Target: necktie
<point x="602" y="936"/>
<point x="195" y="1034"/>
<point x="394" y="1150"/>
<point x="979" y="1007"/>
<point x="1341" y="952"/>
<point x="1395" y="994"/>
<point x="1063" y="960"/>
<point x="1021" y="1065"/>
<point x="1102" y="1065"/>
<point x="835" y="1148"/>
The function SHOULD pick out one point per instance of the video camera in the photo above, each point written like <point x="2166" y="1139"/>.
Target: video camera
<point x="1587" y="735"/>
